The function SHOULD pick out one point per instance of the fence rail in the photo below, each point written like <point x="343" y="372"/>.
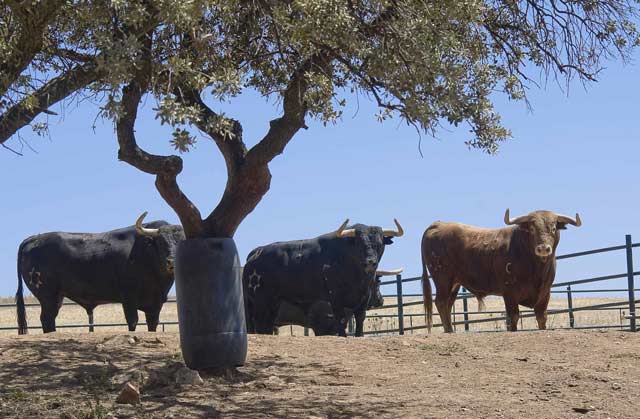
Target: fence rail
<point x="401" y="304"/>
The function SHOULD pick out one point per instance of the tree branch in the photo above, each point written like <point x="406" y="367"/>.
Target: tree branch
<point x="230" y="143"/>
<point x="283" y="129"/>
<point x="22" y="113"/>
<point x="60" y="87"/>
<point x="249" y="181"/>
<point x="34" y="20"/>
<point x="166" y="168"/>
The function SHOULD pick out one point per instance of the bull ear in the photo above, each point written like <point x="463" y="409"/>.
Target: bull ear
<point x="561" y="226"/>
<point x="387" y="240"/>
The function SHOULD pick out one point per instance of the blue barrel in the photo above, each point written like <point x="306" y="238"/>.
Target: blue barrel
<point x="208" y="279"/>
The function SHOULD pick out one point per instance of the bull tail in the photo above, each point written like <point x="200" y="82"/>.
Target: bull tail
<point x="20" y="307"/>
<point x="427" y="297"/>
<point x="481" y="305"/>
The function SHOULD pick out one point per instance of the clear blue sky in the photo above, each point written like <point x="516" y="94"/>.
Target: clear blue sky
<point x="574" y="153"/>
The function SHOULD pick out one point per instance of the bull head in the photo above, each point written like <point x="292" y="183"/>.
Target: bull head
<point x="543" y="228"/>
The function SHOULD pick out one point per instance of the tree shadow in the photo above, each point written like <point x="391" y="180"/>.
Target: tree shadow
<point x="76" y="371"/>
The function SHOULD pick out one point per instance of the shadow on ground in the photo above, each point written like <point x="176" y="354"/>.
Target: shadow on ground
<point x="68" y="377"/>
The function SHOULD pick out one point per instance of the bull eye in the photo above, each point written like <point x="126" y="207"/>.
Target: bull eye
<point x="553" y="229"/>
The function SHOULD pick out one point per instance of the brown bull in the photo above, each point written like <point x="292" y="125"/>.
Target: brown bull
<point x="516" y="262"/>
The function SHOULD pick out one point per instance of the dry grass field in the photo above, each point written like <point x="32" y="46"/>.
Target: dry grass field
<point x="112" y="313"/>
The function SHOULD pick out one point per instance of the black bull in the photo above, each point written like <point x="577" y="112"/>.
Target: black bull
<point x="337" y="268"/>
<point x="132" y="266"/>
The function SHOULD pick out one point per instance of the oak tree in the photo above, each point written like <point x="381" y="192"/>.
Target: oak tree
<point x="426" y="62"/>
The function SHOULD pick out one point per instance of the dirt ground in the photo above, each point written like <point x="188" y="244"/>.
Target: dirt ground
<point x="550" y="374"/>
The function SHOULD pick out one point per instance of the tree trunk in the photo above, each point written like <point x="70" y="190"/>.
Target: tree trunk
<point x="243" y="192"/>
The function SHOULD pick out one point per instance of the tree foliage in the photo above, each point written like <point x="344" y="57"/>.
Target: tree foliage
<point x="426" y="62"/>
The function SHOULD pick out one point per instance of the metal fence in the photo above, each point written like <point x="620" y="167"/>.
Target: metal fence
<point x="399" y="316"/>
<point x="567" y="288"/>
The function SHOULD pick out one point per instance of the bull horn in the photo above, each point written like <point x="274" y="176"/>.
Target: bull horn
<point x="394" y="233"/>
<point x="142" y="230"/>
<point x="341" y="232"/>
<point x="518" y="220"/>
<point x="389" y="273"/>
<point x="568" y="220"/>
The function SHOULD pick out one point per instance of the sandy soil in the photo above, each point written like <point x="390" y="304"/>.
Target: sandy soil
<point x="551" y="374"/>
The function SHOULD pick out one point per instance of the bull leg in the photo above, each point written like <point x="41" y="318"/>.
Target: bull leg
<point x="153" y="318"/>
<point x="453" y="295"/>
<point x="513" y="315"/>
<point x="265" y="324"/>
<point x="131" y="315"/>
<point x="442" y="303"/>
<point x="49" y="308"/>
<point x="342" y="319"/>
<point x="90" y="315"/>
<point x="263" y="310"/>
<point x="360" y="316"/>
<point x="541" y="312"/>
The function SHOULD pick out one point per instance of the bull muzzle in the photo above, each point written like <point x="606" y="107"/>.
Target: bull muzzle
<point x="143" y="231"/>
<point x="543" y="250"/>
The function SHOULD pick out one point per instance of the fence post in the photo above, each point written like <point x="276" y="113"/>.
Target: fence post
<point x="632" y="297"/>
<point x="400" y="304"/>
<point x="570" y="307"/>
<point x="465" y="309"/>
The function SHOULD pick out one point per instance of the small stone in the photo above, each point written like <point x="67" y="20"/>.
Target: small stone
<point x="132" y="340"/>
<point x="616" y="386"/>
<point x="457" y="364"/>
<point x="584" y="410"/>
<point x="188" y="376"/>
<point x="275" y="381"/>
<point x="130" y="394"/>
